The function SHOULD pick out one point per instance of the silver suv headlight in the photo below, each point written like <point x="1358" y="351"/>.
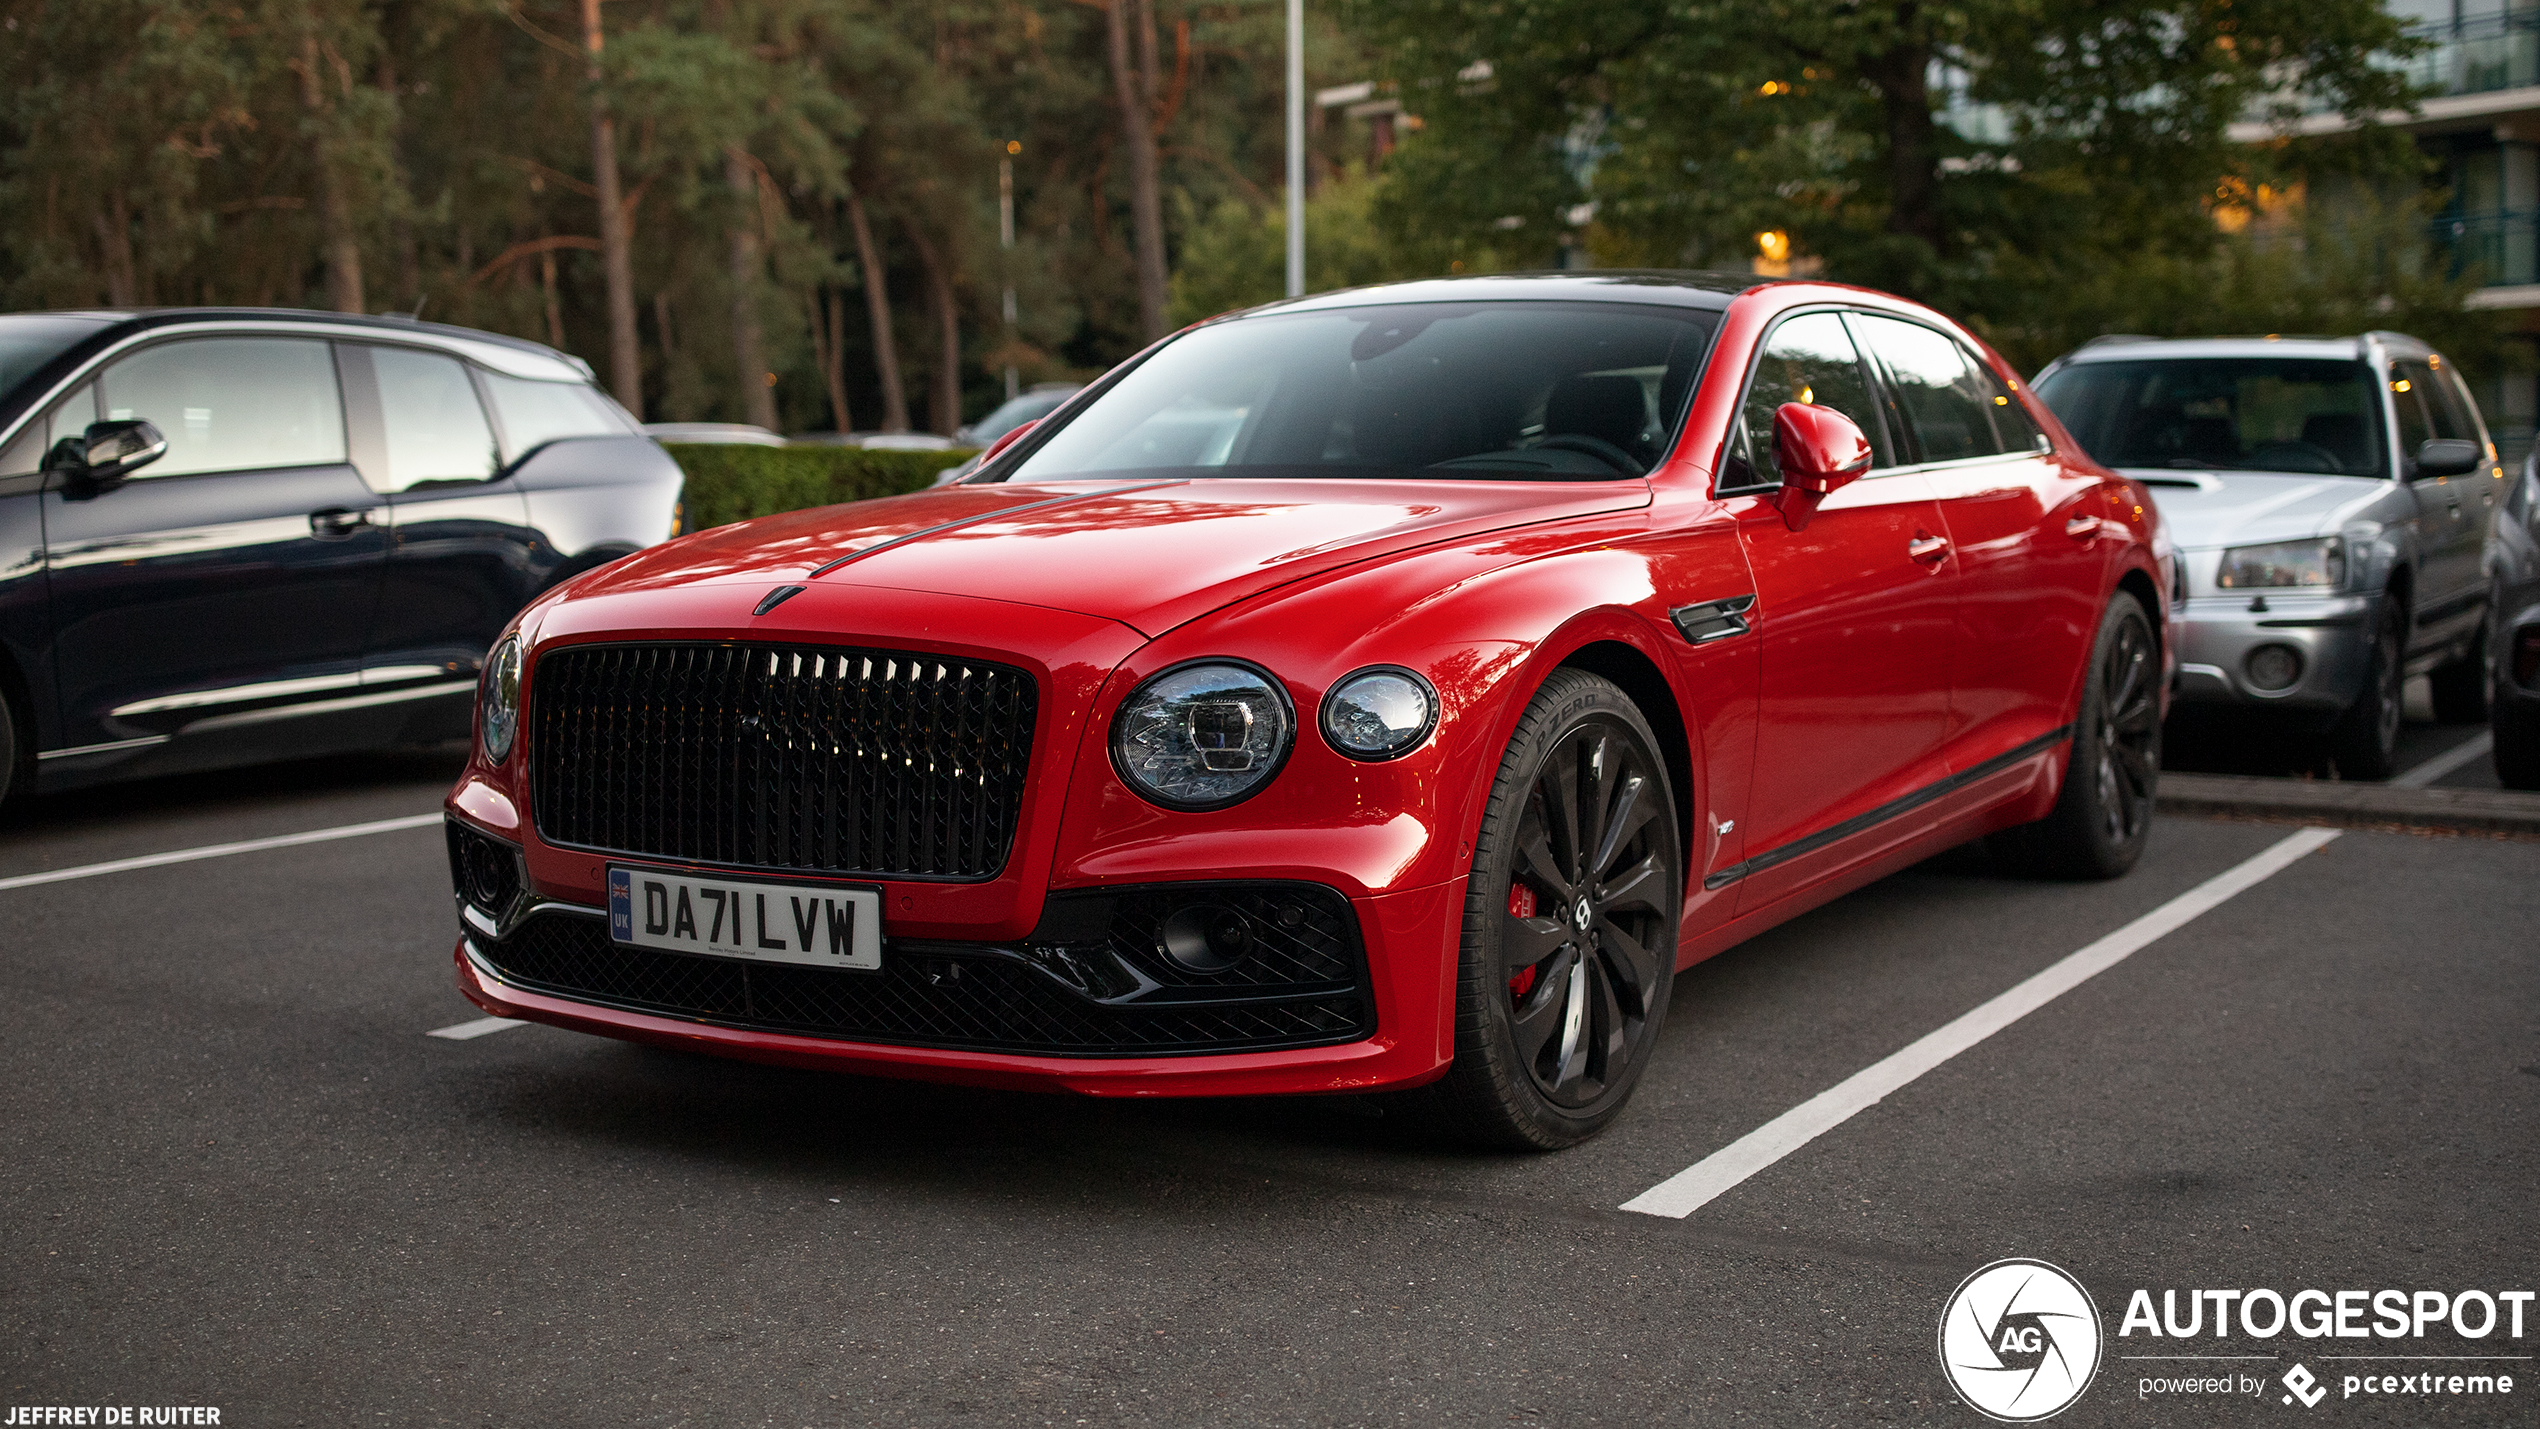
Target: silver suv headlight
<point x="2320" y="563"/>
<point x="498" y="700"/>
<point x="1203" y="735"/>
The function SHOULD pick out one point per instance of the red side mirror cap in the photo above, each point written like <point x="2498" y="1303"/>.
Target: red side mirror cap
<point x="1009" y="439"/>
<point x="1818" y="448"/>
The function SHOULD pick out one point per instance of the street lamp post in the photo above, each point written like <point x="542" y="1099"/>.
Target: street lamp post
<point x="1296" y="148"/>
<point x="1005" y="242"/>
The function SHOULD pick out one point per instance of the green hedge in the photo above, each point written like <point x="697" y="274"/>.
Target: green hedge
<point x="735" y="483"/>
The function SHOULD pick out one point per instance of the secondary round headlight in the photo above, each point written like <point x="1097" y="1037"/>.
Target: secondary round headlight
<point x="1203" y="735"/>
<point x="498" y="700"/>
<point x="1382" y="712"/>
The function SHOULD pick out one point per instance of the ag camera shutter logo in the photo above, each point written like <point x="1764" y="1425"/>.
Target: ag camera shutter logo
<point x="2019" y="1341"/>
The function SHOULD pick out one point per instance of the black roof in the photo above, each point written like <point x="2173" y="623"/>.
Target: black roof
<point x="116" y="324"/>
<point x="1684" y="288"/>
<point x="132" y="320"/>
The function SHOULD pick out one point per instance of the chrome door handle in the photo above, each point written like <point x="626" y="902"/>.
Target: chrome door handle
<point x="337" y="521"/>
<point x="1927" y="547"/>
<point x="2083" y="528"/>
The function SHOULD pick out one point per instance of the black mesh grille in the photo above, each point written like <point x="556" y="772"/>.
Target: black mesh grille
<point x="812" y="757"/>
<point x="951" y="995"/>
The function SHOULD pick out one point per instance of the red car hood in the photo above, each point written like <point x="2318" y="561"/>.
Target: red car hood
<point x="1149" y="555"/>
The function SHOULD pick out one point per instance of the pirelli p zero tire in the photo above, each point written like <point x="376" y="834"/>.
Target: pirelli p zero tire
<point x="2103" y="818"/>
<point x="1570" y="924"/>
<point x="2365" y="739"/>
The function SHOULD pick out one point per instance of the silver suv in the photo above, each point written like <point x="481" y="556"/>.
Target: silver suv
<point x="2329" y="497"/>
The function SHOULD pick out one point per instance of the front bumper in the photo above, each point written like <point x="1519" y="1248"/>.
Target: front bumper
<point x="2330" y="636"/>
<point x="943" y="996"/>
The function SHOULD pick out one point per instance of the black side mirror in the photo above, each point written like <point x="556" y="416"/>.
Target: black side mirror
<point x="2443" y="456"/>
<point x="99" y="458"/>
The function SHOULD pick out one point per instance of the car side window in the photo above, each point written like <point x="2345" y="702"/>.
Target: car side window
<point x="536" y="413"/>
<point x="1947" y="403"/>
<point x="25" y="456"/>
<point x="69" y="418"/>
<point x="2407" y="399"/>
<point x="231" y="403"/>
<point x="431" y="425"/>
<point x="1809" y="358"/>
<point x="2444" y="404"/>
<point x="2013" y="427"/>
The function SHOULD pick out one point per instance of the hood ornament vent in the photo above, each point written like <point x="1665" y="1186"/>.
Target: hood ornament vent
<point x="777" y="597"/>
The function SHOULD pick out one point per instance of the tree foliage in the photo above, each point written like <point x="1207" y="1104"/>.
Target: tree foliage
<point x="1992" y="156"/>
<point x="811" y="186"/>
<point x="184" y="151"/>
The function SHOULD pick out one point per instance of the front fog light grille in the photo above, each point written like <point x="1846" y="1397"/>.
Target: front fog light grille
<point x="484" y="872"/>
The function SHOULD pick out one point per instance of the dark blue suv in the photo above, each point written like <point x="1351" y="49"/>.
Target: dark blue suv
<point x="228" y="535"/>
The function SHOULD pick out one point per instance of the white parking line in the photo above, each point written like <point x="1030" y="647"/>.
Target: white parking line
<point x="465" y="1031"/>
<point x="189" y="855"/>
<point x="1689" y="1190"/>
<point x="2444" y="763"/>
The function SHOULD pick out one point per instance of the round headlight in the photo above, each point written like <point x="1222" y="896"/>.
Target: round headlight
<point x="1204" y="735"/>
<point x="498" y="700"/>
<point x="1379" y="713"/>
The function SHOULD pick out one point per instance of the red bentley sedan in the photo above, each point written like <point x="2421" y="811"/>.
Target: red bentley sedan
<point x="1384" y="689"/>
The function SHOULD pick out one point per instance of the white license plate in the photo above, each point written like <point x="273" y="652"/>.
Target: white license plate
<point x="821" y="925"/>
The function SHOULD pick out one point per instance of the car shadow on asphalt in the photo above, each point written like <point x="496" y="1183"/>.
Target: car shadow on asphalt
<point x="820" y="1128"/>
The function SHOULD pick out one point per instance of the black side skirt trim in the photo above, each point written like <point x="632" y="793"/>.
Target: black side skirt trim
<point x="1862" y="823"/>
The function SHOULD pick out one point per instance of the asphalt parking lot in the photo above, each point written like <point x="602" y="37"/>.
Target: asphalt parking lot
<point x="239" y="1173"/>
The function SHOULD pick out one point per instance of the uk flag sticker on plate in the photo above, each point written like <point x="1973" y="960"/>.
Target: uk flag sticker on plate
<point x="621" y="905"/>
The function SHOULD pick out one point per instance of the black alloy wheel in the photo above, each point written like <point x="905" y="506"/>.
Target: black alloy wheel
<point x="2103" y="817"/>
<point x="2365" y="740"/>
<point x="2128" y="737"/>
<point x="1570" y="923"/>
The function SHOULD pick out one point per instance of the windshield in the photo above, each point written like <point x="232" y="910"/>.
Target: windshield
<point x="2224" y="413"/>
<point x="27" y="343"/>
<point x="1508" y="391"/>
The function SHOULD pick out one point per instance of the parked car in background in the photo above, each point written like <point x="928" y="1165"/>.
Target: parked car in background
<point x="2331" y="496"/>
<point x="1038" y="401"/>
<point x="1043" y="399"/>
<point x="730" y="434"/>
<point x="1389" y="688"/>
<point x="2513" y="565"/>
<point x="235" y="535"/>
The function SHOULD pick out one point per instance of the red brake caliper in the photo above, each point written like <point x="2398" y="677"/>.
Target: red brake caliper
<point x="1521" y="904"/>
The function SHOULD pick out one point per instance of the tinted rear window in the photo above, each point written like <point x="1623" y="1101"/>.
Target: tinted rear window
<point x="1541" y="391"/>
<point x="2224" y="413"/>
